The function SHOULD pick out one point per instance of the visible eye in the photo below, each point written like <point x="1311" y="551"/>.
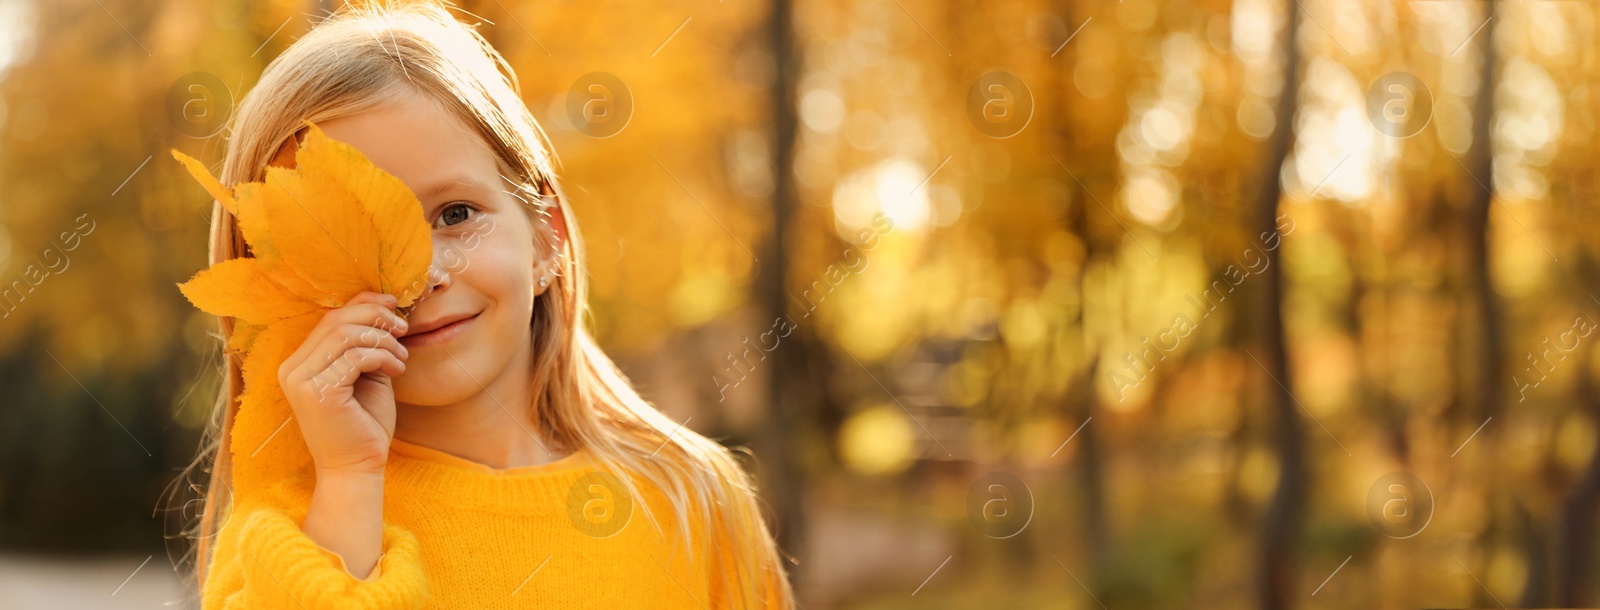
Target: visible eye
<point x="454" y="214"/>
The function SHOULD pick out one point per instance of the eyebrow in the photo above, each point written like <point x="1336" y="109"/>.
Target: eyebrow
<point x="450" y="183"/>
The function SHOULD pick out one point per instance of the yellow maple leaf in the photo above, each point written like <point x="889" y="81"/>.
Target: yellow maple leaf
<point x="331" y="227"/>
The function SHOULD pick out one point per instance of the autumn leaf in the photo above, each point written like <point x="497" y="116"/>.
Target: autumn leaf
<point x="331" y="227"/>
<point x="238" y="288"/>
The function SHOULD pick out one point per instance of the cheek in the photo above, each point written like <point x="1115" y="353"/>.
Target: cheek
<point x="500" y="271"/>
<point x="500" y="274"/>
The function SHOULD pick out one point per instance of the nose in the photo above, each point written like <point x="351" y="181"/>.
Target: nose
<point x="439" y="276"/>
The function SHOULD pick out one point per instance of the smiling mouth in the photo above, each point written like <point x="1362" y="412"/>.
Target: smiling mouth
<point x="438" y="335"/>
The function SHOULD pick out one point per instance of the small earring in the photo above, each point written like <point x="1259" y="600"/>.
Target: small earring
<point x="544" y="281"/>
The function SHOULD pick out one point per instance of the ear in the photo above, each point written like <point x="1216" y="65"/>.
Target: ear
<point x="558" y="222"/>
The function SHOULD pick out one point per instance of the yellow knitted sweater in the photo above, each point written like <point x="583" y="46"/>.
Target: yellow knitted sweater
<point x="458" y="534"/>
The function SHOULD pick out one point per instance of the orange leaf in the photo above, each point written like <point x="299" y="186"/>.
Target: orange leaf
<point x="405" y="249"/>
<point x="253" y="224"/>
<point x="244" y="335"/>
<point x="334" y="245"/>
<point x="203" y="176"/>
<point x="331" y="226"/>
<point x="266" y="445"/>
<point x="238" y="289"/>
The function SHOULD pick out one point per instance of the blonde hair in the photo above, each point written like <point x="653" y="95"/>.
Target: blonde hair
<point x="361" y="56"/>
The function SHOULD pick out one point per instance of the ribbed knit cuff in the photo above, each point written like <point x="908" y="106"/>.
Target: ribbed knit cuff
<point x="338" y="560"/>
<point x="284" y="568"/>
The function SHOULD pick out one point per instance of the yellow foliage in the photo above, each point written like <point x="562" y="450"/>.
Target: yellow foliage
<point x="877" y="440"/>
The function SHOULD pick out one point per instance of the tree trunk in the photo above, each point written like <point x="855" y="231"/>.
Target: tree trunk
<point x="1488" y="360"/>
<point x="1090" y="461"/>
<point x="1483" y="395"/>
<point x="1278" y="530"/>
<point x="1092" y="471"/>
<point x="1575" y="541"/>
<point x="786" y="386"/>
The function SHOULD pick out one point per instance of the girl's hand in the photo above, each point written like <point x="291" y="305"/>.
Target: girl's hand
<point x="338" y="384"/>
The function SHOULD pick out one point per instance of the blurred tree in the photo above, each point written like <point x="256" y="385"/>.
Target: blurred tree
<point x="790" y="386"/>
<point x="1282" y="521"/>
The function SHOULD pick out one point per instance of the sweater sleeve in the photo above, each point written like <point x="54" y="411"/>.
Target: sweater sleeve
<point x="268" y="562"/>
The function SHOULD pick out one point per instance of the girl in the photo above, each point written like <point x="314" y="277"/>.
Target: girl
<point x="482" y="451"/>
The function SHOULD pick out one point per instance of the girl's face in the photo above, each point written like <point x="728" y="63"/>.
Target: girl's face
<point x="475" y="322"/>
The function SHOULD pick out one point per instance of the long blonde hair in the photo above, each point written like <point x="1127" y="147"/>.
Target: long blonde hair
<point x="356" y="59"/>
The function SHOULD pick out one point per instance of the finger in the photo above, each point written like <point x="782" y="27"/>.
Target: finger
<point x="361" y="335"/>
<point x="371" y="314"/>
<point x="337" y="341"/>
<point x="349" y="366"/>
<point x="369" y="305"/>
<point x="373" y="297"/>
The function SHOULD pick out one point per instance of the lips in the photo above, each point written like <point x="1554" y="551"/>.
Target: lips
<point x="437" y="330"/>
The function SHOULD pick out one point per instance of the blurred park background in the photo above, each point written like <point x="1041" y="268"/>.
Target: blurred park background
<point x="1182" y="303"/>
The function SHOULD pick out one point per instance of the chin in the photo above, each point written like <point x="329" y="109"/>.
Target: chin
<point x="435" y="382"/>
<point x="460" y="367"/>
